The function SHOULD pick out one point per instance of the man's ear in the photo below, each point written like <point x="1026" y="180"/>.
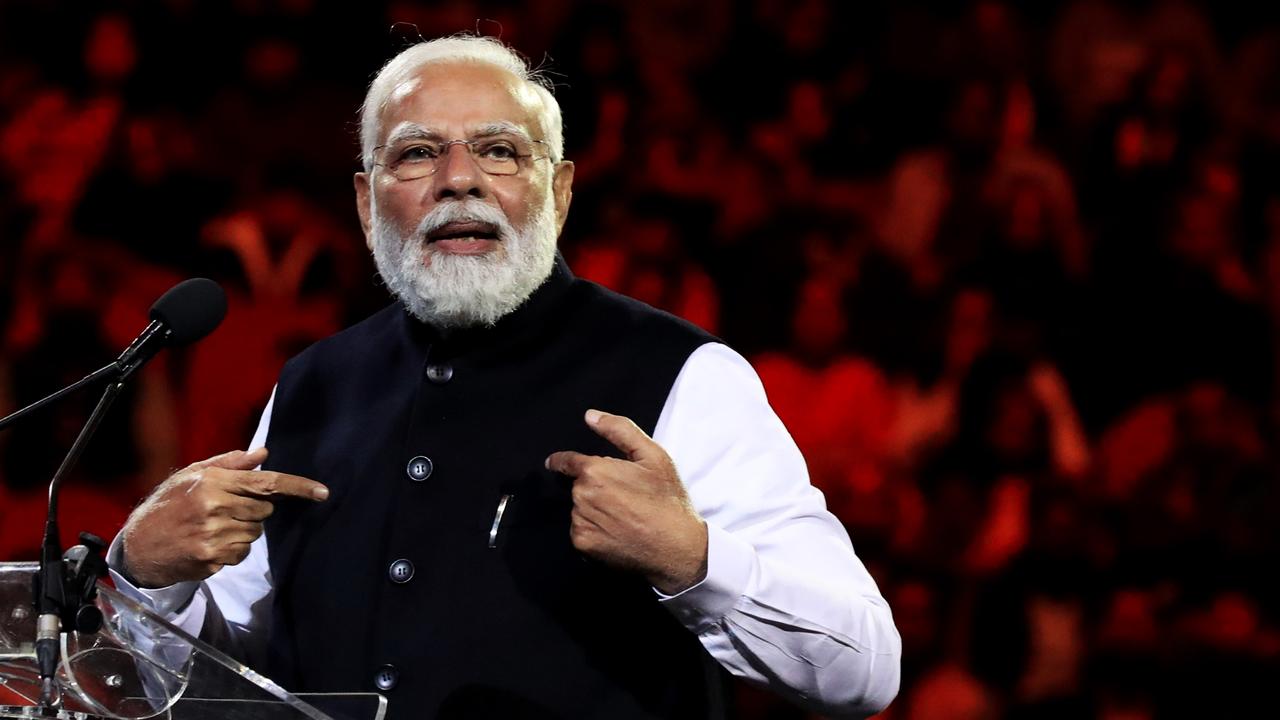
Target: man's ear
<point x="364" y="208"/>
<point x="562" y="187"/>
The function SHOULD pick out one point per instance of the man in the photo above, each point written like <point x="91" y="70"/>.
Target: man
<point x="537" y="498"/>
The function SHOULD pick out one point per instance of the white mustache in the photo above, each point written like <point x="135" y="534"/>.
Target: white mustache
<point x="466" y="211"/>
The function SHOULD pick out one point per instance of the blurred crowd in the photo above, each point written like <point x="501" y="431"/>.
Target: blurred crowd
<point x="1010" y="273"/>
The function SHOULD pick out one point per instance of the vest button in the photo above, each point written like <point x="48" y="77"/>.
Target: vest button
<point x="400" y="572"/>
<point x="439" y="374"/>
<point x="419" y="468"/>
<point x="386" y="677"/>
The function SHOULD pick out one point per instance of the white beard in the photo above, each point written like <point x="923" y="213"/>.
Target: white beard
<point x="454" y="291"/>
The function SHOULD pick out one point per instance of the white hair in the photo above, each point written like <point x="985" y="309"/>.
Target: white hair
<point x="456" y="48"/>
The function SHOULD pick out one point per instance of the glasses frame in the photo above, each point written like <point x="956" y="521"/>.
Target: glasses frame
<point x="471" y="145"/>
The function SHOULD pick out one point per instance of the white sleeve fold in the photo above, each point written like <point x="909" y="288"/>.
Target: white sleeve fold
<point x="786" y="603"/>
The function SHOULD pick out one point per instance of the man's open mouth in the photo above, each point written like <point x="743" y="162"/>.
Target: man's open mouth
<point x="467" y="230"/>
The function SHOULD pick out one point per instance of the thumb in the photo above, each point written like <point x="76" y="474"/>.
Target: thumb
<point x="235" y="460"/>
<point x="624" y="434"/>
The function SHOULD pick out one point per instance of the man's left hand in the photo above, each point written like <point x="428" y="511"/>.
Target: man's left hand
<point x="634" y="514"/>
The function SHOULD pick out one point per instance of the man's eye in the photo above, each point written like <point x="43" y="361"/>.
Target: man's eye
<point x="498" y="151"/>
<point x="418" y="153"/>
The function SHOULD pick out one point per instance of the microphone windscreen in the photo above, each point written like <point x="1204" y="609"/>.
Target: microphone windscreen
<point x="191" y="309"/>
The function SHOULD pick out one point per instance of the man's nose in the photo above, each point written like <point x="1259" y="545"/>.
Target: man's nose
<point x="457" y="174"/>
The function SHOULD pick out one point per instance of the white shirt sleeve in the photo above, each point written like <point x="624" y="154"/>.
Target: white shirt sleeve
<point x="232" y="607"/>
<point x="786" y="603"/>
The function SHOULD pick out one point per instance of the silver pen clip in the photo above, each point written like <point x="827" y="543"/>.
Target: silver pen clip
<point x="497" y="519"/>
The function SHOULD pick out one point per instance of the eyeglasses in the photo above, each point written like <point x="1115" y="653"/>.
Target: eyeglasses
<point x="421" y="158"/>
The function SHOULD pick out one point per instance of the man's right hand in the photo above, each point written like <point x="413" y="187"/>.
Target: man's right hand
<point x="204" y="517"/>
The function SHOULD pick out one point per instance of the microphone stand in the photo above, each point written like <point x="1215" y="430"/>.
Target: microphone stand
<point x="64" y="594"/>
<point x="65" y="588"/>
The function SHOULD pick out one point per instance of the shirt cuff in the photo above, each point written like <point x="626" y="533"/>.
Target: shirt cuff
<point x="166" y="601"/>
<point x="730" y="564"/>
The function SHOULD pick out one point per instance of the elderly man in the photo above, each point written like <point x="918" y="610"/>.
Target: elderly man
<point x="536" y="498"/>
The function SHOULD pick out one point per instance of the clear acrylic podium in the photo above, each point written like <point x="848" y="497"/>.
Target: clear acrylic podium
<point x="140" y="666"/>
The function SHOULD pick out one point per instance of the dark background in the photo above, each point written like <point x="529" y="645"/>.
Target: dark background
<point x="1010" y="273"/>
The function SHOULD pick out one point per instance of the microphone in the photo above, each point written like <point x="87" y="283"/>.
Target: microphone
<point x="189" y="311"/>
<point x="65" y="586"/>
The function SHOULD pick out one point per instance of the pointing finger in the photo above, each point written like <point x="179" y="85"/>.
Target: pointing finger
<point x="261" y="483"/>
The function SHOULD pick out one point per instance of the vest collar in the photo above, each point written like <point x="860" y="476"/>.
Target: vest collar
<point x="525" y="321"/>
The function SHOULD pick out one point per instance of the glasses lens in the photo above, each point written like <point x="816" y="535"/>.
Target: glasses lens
<point x="495" y="157"/>
<point x="498" y="156"/>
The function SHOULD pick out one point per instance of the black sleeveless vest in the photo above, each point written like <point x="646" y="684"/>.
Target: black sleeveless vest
<point x="393" y="585"/>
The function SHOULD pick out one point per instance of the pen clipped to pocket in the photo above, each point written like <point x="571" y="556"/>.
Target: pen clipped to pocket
<point x="503" y="502"/>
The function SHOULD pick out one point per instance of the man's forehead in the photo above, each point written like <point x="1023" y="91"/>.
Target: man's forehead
<point x="462" y="97"/>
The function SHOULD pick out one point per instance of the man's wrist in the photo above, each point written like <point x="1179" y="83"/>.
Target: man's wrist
<point x="731" y="565"/>
<point x="166" y="600"/>
<point x="120" y="563"/>
<point x="691" y="572"/>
